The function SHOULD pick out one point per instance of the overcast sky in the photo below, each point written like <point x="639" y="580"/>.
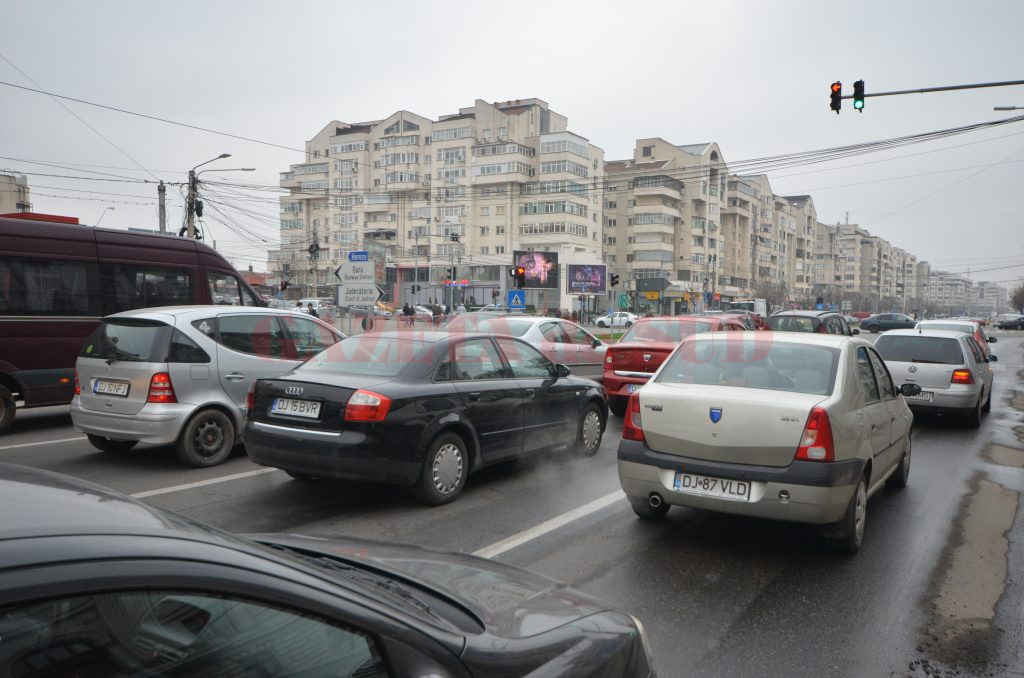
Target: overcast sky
<point x="752" y="76"/>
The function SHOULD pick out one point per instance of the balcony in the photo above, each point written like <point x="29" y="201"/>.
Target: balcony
<point x="657" y="190"/>
<point x="660" y="229"/>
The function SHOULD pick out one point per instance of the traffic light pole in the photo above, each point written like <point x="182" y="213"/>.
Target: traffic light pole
<point x="949" y="88"/>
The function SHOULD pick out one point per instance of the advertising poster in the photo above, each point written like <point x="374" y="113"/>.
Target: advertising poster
<point x="541" y="269"/>
<point x="586" y="278"/>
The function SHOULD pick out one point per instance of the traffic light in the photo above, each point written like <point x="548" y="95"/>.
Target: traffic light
<point x="520" y="277"/>
<point x="858" y="95"/>
<point x="199" y="208"/>
<point x="416" y="288"/>
<point x="494" y="294"/>
<point x="284" y="285"/>
<point x="614" y="279"/>
<point x="837" y="96"/>
<point x="454" y="237"/>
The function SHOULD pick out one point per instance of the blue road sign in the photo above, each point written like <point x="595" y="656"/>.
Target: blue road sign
<point x="819" y="307"/>
<point x="516" y="300"/>
<point x="359" y="256"/>
<point x="833" y="307"/>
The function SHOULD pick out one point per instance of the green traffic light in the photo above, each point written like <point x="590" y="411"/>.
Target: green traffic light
<point x="858" y="103"/>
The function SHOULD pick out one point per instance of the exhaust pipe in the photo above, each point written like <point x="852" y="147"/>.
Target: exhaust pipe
<point x="655" y="500"/>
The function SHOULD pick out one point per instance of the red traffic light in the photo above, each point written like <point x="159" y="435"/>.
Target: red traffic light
<point x="837" y="87"/>
<point x="836" y="97"/>
<point x="520" y="270"/>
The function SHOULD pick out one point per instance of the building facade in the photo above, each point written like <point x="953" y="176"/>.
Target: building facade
<point x="15" y="195"/>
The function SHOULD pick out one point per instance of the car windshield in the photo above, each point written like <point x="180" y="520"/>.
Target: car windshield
<point x="750" y="361"/>
<point x="370" y="355"/>
<point x="791" y="323"/>
<point x="674" y="330"/>
<point x="143" y="341"/>
<point x="920" y="349"/>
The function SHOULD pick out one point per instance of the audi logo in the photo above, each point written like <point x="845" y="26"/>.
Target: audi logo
<point x="293" y="390"/>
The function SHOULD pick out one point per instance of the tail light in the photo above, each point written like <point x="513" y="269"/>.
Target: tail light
<point x="250" y="398"/>
<point x="816" y="443"/>
<point x="78" y="389"/>
<point x="160" y="389"/>
<point x="632" y="427"/>
<point x="367" y="406"/>
<point x="608" y="358"/>
<point x="962" y="377"/>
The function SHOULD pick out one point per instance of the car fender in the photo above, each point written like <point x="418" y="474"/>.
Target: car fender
<point x="456" y="423"/>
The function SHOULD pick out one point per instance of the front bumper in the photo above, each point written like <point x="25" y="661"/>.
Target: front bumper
<point x="344" y="455"/>
<point x="153" y="424"/>
<point x="818" y="493"/>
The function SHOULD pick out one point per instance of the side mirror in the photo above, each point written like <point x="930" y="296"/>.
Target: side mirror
<point x="992" y="340"/>
<point x="855" y="331"/>
<point x="561" y="370"/>
<point x="993" y="358"/>
<point x="596" y="342"/>
<point x="910" y="390"/>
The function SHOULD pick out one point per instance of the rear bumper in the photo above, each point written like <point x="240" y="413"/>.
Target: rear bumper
<point x="618" y="385"/>
<point x="344" y="455"/>
<point x="946" y="402"/>
<point x="154" y="424"/>
<point x="818" y="493"/>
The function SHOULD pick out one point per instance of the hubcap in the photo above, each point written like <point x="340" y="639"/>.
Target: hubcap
<point x="860" y="511"/>
<point x="591" y="430"/>
<point x="209" y="438"/>
<point x="447" y="468"/>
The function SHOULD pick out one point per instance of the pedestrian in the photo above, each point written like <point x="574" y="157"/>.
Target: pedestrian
<point x="312" y="311"/>
<point x="461" y="308"/>
<point x="300" y="307"/>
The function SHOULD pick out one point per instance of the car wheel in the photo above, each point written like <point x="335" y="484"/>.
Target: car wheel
<point x="600" y="324"/>
<point x="301" y="477"/>
<point x="589" y="431"/>
<point x="111" y="445"/>
<point x="628" y="324"/>
<point x="643" y="509"/>
<point x="851" y="527"/>
<point x="444" y="470"/>
<point x="6" y="408"/>
<point x="987" y="407"/>
<point x="873" y="329"/>
<point x="617" y="406"/>
<point x="207" y="439"/>
<point x="901" y="475"/>
<point x="973" y="418"/>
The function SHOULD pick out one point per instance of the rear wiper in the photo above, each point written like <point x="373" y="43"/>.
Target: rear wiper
<point x="123" y="356"/>
<point x="930" y="362"/>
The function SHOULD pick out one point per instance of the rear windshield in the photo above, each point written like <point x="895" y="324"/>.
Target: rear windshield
<point x="791" y="323"/>
<point x="664" y="330"/>
<point x="952" y="327"/>
<point x="370" y="355"/>
<point x="753" y="362"/>
<point x="490" y="324"/>
<point x="917" y="349"/>
<point x="143" y="341"/>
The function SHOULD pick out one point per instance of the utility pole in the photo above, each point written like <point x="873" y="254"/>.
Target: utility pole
<point x="190" y="205"/>
<point x="416" y="269"/>
<point x="161" y="192"/>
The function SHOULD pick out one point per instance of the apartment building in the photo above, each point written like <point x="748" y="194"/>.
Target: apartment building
<point x="15" y="195"/>
<point x="800" y="248"/>
<point x="463" y="191"/>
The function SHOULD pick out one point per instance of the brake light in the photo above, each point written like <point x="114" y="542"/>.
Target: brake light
<point x="608" y="358"/>
<point x="632" y="427"/>
<point x="250" y="398"/>
<point x="816" y="443"/>
<point x="962" y="377"/>
<point x="367" y="406"/>
<point x="78" y="389"/>
<point x="160" y="389"/>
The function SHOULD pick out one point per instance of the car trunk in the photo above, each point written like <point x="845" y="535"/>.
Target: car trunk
<point x="756" y="426"/>
<point x="921" y="359"/>
<point x="928" y="376"/>
<point x="639" y="357"/>
<point x="331" y="390"/>
<point x="118" y="362"/>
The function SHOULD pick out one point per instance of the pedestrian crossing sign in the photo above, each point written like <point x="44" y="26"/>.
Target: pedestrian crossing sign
<point x="516" y="300"/>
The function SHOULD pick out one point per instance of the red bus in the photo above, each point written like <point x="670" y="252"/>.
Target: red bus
<point x="57" y="280"/>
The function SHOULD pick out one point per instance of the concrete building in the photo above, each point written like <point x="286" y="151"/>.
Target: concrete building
<point x="464" y="191"/>
<point x="800" y="247"/>
<point x="15" y="195"/>
<point x="948" y="293"/>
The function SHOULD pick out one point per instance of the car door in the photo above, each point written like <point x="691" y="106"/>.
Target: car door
<point x="981" y="365"/>
<point x="250" y="346"/>
<point x="492" y="399"/>
<point x="555" y="345"/>
<point x="588" y="360"/>
<point x="549" y="402"/>
<point x="899" y="414"/>
<point x="876" y="420"/>
<point x="305" y="337"/>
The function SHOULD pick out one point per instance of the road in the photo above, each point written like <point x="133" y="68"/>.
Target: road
<point x="937" y="587"/>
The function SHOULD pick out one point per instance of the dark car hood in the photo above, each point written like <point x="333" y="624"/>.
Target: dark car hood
<point x="509" y="601"/>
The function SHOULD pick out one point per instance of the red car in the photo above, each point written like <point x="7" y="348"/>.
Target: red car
<point x="631" y="361"/>
<point x="759" y="323"/>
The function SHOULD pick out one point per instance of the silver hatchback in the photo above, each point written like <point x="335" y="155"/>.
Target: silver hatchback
<point x="181" y="375"/>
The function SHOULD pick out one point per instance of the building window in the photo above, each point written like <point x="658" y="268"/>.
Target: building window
<point x="450" y="134"/>
<point x="499" y="210"/>
<point x="485" y="211"/>
<point x="485" y="250"/>
<point x="500" y="249"/>
<point x="500" y="230"/>
<point x="350" y="147"/>
<point x="485" y="230"/>
<point x="648" y="151"/>
<point x="554" y="166"/>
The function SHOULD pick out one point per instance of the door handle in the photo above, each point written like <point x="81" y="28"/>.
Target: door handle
<point x="234" y="376"/>
<point x="474" y="396"/>
<point x="529" y="392"/>
<point x="550" y="348"/>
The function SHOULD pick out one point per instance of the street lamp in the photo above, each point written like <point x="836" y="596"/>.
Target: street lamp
<point x="190" y="202"/>
<point x="108" y="208"/>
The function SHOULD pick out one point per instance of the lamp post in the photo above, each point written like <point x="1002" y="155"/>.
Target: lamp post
<point x="108" y="208"/>
<point x="190" y="202"/>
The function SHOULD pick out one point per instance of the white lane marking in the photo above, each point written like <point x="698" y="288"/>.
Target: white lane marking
<point x="45" y="442"/>
<point x="202" y="483"/>
<point x="547" y="526"/>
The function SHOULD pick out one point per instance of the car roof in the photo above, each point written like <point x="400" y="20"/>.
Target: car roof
<point x="804" y="313"/>
<point x="423" y="337"/>
<point x="936" y="321"/>
<point x="155" y="312"/>
<point x="812" y="338"/>
<point x="949" y="334"/>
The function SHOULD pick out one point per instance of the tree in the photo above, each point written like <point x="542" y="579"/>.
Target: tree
<point x="1017" y="298"/>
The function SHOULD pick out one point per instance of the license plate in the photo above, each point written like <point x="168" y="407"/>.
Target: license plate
<point x="923" y="395"/>
<point x="295" y="408"/>
<point x="735" y="490"/>
<point x="107" y="387"/>
<point x="631" y="388"/>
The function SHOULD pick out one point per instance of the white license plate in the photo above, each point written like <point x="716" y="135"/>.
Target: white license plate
<point x="114" y="388"/>
<point x="735" y="490"/>
<point x="295" y="408"/>
<point x="631" y="388"/>
<point x="923" y="395"/>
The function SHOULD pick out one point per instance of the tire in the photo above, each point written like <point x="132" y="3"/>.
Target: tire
<point x="973" y="418"/>
<point x="301" y="477"/>
<point x="873" y="329"/>
<point x="600" y="324"/>
<point x="628" y="324"/>
<point x="207" y="439"/>
<point x="851" y="527"/>
<point x="617" y="405"/>
<point x="901" y="475"/>
<point x="987" y="407"/>
<point x="111" y="445"/>
<point x="7" y="408"/>
<point x="444" y="470"/>
<point x="589" y="431"/>
<point x="643" y="509"/>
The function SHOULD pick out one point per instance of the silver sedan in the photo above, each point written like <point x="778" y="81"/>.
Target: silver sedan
<point x="801" y="427"/>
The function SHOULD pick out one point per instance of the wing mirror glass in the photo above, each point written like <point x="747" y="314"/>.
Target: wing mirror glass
<point x="992" y="340"/>
<point x="910" y="390"/>
<point x="561" y="370"/>
<point x="596" y="342"/>
<point x="993" y="358"/>
<point x="855" y="331"/>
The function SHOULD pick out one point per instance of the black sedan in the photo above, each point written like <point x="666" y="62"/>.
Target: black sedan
<point x="94" y="583"/>
<point x="420" y="409"/>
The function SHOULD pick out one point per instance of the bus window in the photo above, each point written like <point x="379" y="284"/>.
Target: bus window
<point x="128" y="286"/>
<point x="39" y="287"/>
<point x="226" y="289"/>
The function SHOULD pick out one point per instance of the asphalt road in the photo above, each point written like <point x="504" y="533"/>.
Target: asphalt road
<point x="936" y="589"/>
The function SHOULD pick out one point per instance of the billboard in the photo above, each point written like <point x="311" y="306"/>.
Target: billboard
<point x="586" y="278"/>
<point x="541" y="269"/>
